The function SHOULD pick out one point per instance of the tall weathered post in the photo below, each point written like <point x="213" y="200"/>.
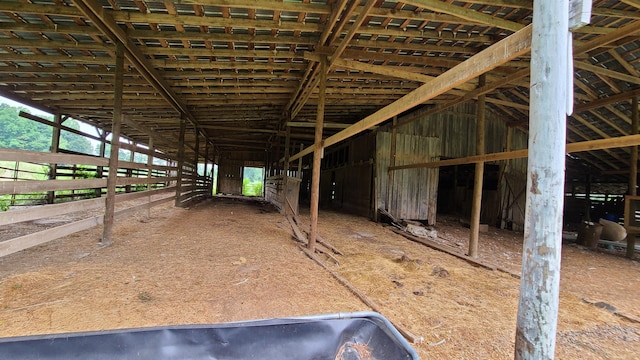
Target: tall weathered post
<point x="474" y="231"/>
<point x="317" y="156"/>
<point x="540" y="282"/>
<point x="110" y="201"/>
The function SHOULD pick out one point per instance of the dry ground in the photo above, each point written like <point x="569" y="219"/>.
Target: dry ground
<point x="231" y="260"/>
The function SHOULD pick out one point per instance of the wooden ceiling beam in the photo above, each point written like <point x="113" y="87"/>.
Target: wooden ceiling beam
<point x="92" y="10"/>
<point x="607" y="72"/>
<point x="465" y="13"/>
<point x="503" y="51"/>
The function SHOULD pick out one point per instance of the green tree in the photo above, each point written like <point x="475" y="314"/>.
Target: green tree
<point x="21" y="133"/>
<point x="25" y="134"/>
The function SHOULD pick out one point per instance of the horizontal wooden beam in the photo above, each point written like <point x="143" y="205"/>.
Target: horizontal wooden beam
<point x="488" y="59"/>
<point x="600" y="144"/>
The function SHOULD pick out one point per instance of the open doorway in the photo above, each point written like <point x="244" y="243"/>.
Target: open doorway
<point x="252" y="181"/>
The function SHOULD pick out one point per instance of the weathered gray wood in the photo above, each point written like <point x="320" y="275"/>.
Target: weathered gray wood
<point x="23" y="187"/>
<point x="412" y="193"/>
<point x="540" y="283"/>
<point x="44" y="211"/>
<point x="110" y="203"/>
<point x="181" y="164"/>
<point x="50" y="158"/>
<point x="474" y="232"/>
<point x="23" y="242"/>
<point x="55" y="144"/>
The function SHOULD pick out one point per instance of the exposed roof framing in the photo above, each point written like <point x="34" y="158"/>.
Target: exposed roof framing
<point x="241" y="70"/>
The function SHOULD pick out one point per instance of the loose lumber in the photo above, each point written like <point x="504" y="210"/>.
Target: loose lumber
<point x="298" y="235"/>
<point x="364" y="298"/>
<point x="613" y="309"/>
<point x="451" y="251"/>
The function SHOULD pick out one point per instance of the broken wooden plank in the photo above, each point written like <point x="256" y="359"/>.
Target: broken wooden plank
<point x="298" y="235"/>
<point x="614" y="310"/>
<point x="319" y="238"/>
<point x="364" y="298"/>
<point x="451" y="251"/>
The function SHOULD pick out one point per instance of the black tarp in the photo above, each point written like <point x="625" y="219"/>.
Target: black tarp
<point x="351" y="336"/>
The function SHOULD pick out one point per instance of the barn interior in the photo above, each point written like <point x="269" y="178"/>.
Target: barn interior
<point x="416" y="110"/>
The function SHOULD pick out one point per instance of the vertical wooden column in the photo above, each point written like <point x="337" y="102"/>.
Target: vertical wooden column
<point x="476" y="206"/>
<point x="285" y="172"/>
<point x="633" y="172"/>
<point x="196" y="159"/>
<point x="183" y="127"/>
<point x="150" y="173"/>
<point x="103" y="149"/>
<point x="132" y="157"/>
<point x="206" y="164"/>
<point x="110" y="201"/>
<point x="300" y="163"/>
<point x="504" y="169"/>
<point x="55" y="145"/>
<point x="587" y="191"/>
<point x="540" y="282"/>
<point x="317" y="156"/>
<point x="392" y="162"/>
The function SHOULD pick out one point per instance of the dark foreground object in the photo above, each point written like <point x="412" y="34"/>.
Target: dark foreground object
<point x="345" y="336"/>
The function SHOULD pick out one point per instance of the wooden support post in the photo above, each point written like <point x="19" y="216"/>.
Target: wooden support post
<point x="206" y="164"/>
<point x="300" y="163"/>
<point x="392" y="163"/>
<point x="285" y="172"/>
<point x="633" y="172"/>
<point x="587" y="194"/>
<point x="183" y="128"/>
<point x="103" y="149"/>
<point x="110" y="201"/>
<point x="317" y="157"/>
<point x="503" y="211"/>
<point x="540" y="283"/>
<point x="55" y="145"/>
<point x="132" y="156"/>
<point x="149" y="173"/>
<point x="476" y="206"/>
<point x="196" y="159"/>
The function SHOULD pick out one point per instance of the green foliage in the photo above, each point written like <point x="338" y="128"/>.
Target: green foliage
<point x="20" y="133"/>
<point x="85" y="172"/>
<point x="4" y="205"/>
<point x="252" y="181"/>
<point x="251" y="188"/>
<point x="25" y="134"/>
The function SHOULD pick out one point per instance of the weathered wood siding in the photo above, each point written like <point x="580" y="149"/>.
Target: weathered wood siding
<point x="412" y="193"/>
<point x="275" y="189"/>
<point x="512" y="186"/>
<point x="457" y="130"/>
<point x="346" y="179"/>
<point x="230" y="177"/>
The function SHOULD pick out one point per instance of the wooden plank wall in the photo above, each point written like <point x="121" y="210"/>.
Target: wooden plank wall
<point x="414" y="192"/>
<point x="457" y="130"/>
<point x="346" y="178"/>
<point x="512" y="187"/>
<point x="274" y="188"/>
<point x="230" y="176"/>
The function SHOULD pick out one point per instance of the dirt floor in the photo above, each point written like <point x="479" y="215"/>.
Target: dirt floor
<point x="230" y="260"/>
